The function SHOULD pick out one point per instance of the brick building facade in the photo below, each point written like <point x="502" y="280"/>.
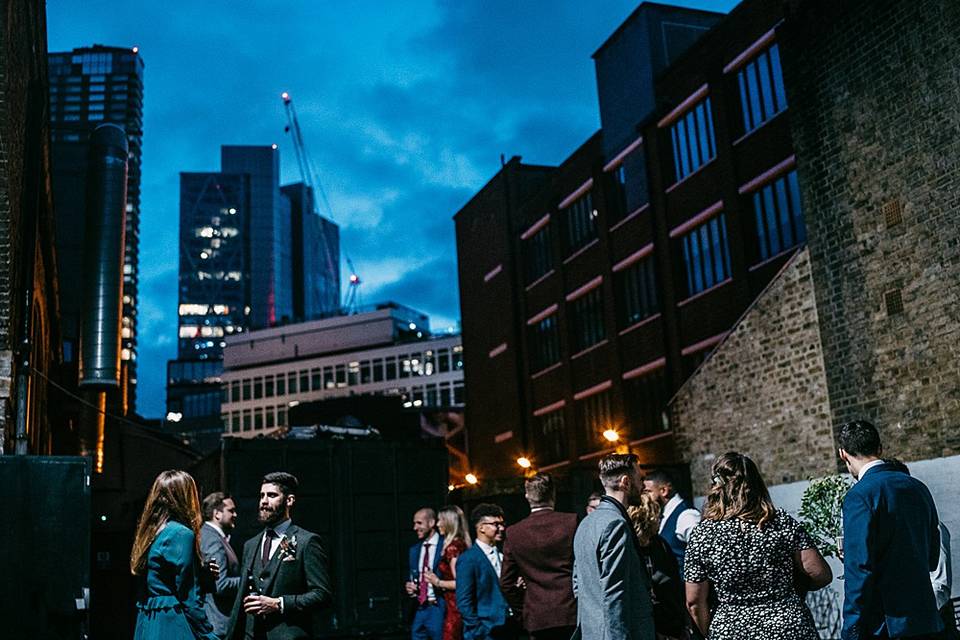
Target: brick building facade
<point x="28" y="281"/>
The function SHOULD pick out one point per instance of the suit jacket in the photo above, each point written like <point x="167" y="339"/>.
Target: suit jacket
<point x="479" y="600"/>
<point x="610" y="579"/>
<point x="219" y="603"/>
<point x="415" y="564"/>
<point x="301" y="579"/>
<point x="539" y="549"/>
<point x="891" y="544"/>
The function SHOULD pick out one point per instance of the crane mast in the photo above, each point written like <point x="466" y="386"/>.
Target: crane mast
<point x="308" y="175"/>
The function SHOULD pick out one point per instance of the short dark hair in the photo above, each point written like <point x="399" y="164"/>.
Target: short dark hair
<point x="659" y="476"/>
<point x="484" y="510"/>
<point x="540" y="489"/>
<point x="214" y="502"/>
<point x="286" y="482"/>
<point x="615" y="465"/>
<point x="859" y="438"/>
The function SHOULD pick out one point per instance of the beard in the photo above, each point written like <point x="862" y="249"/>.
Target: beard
<point x="268" y="515"/>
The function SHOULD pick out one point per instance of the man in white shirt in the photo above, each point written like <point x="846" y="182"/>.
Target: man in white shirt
<point x="678" y="517"/>
<point x="425" y="554"/>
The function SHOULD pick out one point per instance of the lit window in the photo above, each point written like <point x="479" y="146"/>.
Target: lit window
<point x="193" y="309"/>
<point x="125" y="354"/>
<point x="189" y="332"/>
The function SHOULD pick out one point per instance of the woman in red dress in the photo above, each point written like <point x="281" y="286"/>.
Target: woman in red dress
<point x="456" y="538"/>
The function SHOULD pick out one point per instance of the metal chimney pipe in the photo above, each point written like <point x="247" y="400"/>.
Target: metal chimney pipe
<point x="102" y="288"/>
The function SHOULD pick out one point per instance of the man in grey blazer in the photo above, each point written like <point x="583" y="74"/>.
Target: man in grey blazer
<point x="219" y="515"/>
<point x="610" y="579"/>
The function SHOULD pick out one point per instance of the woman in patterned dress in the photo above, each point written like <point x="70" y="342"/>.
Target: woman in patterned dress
<point x="456" y="538"/>
<point x="756" y="558"/>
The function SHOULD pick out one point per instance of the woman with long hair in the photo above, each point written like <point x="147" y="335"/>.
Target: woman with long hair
<point x="669" y="614"/>
<point x="753" y="555"/>
<point x="166" y="558"/>
<point x="456" y="538"/>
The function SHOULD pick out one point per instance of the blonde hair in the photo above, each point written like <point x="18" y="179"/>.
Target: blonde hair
<point x="645" y="518"/>
<point x="738" y="492"/>
<point x="172" y="497"/>
<point x="454" y="525"/>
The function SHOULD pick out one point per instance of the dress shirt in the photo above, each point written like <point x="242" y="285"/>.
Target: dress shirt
<point x="493" y="555"/>
<point x="274" y="542"/>
<point x="686" y="521"/>
<point x="868" y="466"/>
<point x="942" y="576"/>
<point x="217" y="528"/>
<point x="434" y="542"/>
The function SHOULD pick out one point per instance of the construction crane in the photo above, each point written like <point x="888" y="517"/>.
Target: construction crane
<point x="309" y="176"/>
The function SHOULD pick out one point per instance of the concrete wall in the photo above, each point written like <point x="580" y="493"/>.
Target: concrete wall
<point x="763" y="391"/>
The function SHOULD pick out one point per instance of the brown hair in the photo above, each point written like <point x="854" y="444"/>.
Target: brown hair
<point x="454" y="524"/>
<point x="540" y="490"/>
<point x="614" y="466"/>
<point x="738" y="491"/>
<point x="173" y="497"/>
<point x="213" y="502"/>
<point x="645" y="518"/>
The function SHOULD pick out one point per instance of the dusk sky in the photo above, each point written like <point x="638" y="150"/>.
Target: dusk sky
<point x="405" y="108"/>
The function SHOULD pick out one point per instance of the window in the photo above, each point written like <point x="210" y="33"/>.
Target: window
<point x="341" y="375"/>
<point x="304" y="381"/>
<point x="328" y="380"/>
<point x="269" y="418"/>
<point x="779" y="216"/>
<point x="353" y="374"/>
<point x="247" y="421"/>
<point x="404" y="366"/>
<point x="446" y="394"/>
<point x="646" y="400"/>
<point x="636" y="292"/>
<point x="586" y="317"/>
<point x="281" y="416"/>
<point x="579" y="223"/>
<point x="268" y="387"/>
<point x="235" y="421"/>
<point x="257" y="388"/>
<point x="550" y="438"/>
<point x="281" y="385"/>
<point x="629" y="183"/>
<point x="432" y="396"/>
<point x="706" y="255"/>
<point x="762" y="93"/>
<point x="258" y="418"/>
<point x="544" y="343"/>
<point x="458" y="392"/>
<point x="315" y="380"/>
<point x="378" y="370"/>
<point x="594" y="417"/>
<point x="537" y="259"/>
<point x="365" y="372"/>
<point x="693" y="141"/>
<point x="235" y="391"/>
<point x="458" y="357"/>
<point x="246" y="389"/>
<point x="392" y="368"/>
<point x="292" y="381"/>
<point x="443" y="360"/>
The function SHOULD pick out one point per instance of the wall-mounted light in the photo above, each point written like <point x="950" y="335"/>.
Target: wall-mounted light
<point x="611" y="435"/>
<point x="471" y="479"/>
<point x="524" y="462"/>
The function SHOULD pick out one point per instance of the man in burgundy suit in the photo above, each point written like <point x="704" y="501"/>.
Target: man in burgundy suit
<point x="537" y="573"/>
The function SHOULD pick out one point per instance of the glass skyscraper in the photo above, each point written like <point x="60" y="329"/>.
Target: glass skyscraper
<point x="316" y="256"/>
<point x="90" y="86"/>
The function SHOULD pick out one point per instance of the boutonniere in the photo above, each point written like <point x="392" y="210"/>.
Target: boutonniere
<point x="288" y="549"/>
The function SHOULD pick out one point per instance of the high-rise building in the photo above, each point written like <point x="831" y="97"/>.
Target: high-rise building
<point x="269" y="241"/>
<point x="90" y="86"/>
<point x="316" y="256"/>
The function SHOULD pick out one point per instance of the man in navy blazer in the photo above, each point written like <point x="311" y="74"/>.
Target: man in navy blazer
<point x="426" y="553"/>
<point x="891" y="543"/>
<point x="483" y="608"/>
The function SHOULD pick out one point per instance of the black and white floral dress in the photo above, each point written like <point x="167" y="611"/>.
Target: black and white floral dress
<point x="751" y="571"/>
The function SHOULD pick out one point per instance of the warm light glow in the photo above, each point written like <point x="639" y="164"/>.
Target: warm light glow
<point x="611" y="435"/>
<point x="471" y="479"/>
<point x="450" y="487"/>
<point x="524" y="462"/>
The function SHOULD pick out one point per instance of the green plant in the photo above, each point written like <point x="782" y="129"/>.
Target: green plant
<point x="821" y="511"/>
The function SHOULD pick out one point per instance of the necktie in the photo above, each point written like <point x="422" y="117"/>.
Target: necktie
<point x="422" y="587"/>
<point x="496" y="560"/>
<point x="268" y="537"/>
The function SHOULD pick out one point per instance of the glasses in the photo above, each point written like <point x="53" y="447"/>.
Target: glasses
<point x="498" y="525"/>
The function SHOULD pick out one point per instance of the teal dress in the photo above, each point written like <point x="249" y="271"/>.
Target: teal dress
<point x="169" y="606"/>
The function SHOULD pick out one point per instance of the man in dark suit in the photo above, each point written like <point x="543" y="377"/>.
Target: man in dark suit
<point x="890" y="544"/>
<point x="482" y="605"/>
<point x="285" y="569"/>
<point x="219" y="514"/>
<point x="539" y="549"/>
<point x="425" y="554"/>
